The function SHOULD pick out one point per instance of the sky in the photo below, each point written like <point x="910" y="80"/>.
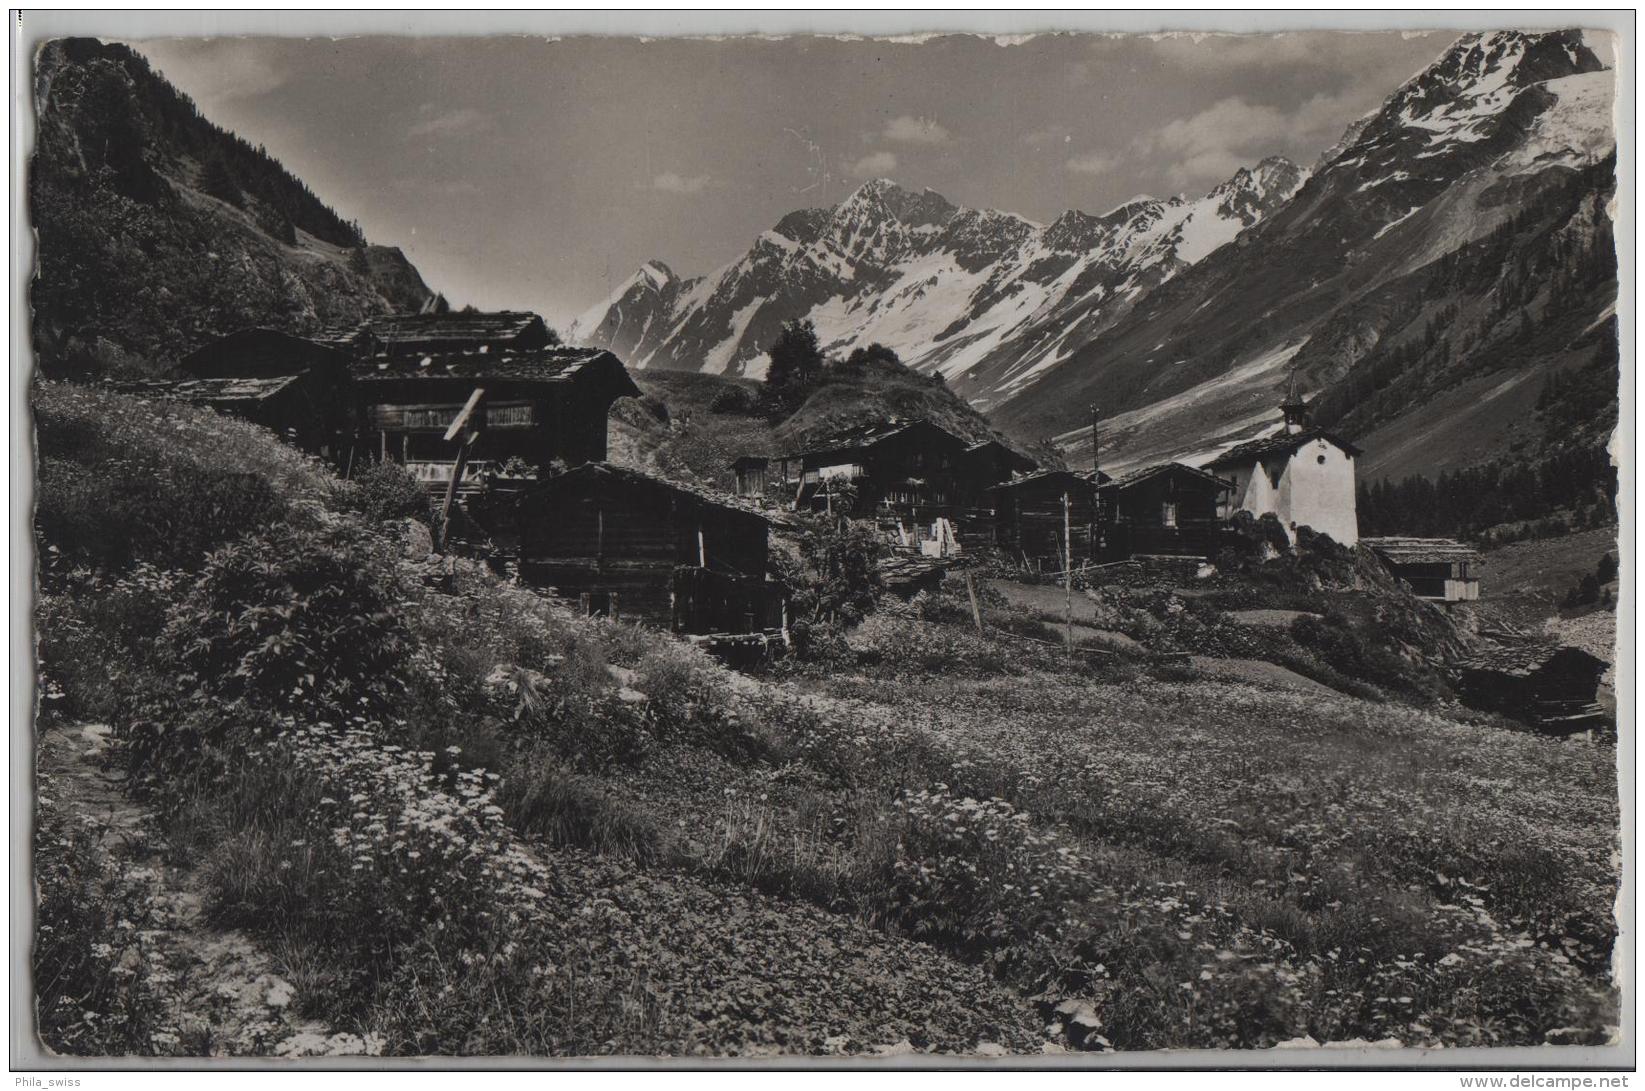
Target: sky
<point x="539" y="174"/>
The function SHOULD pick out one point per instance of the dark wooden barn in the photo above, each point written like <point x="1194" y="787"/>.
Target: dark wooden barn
<point x="452" y="331"/>
<point x="633" y="546"/>
<point x="1440" y="569"/>
<point x="1029" y="516"/>
<point x="900" y="468"/>
<point x="1166" y="510"/>
<point x="1551" y="686"/>
<point x="538" y="407"/>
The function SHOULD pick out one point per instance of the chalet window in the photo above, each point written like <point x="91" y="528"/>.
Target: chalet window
<point x="1168" y="514"/>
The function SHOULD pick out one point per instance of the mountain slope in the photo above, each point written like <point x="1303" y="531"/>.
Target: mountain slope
<point x="1452" y="252"/>
<point x="157" y="229"/>
<point x="985" y="298"/>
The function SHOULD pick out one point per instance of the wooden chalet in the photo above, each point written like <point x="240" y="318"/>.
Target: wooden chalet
<point x="538" y="407"/>
<point x="448" y="332"/>
<point x="628" y="545"/>
<point x="1551" y="686"/>
<point x="1166" y="510"/>
<point x="897" y="469"/>
<point x="1029" y="516"/>
<point x="1440" y="569"/>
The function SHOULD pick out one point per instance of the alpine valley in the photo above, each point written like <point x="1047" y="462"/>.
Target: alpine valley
<point x="1447" y="270"/>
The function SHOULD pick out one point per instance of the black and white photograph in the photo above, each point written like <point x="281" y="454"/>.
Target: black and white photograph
<point x="824" y="549"/>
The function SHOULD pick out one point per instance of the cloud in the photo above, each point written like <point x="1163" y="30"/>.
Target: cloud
<point x="1212" y="144"/>
<point x="874" y="164"/>
<point x="673" y="182"/>
<point x="459" y="122"/>
<point x="908" y="129"/>
<point x="1092" y="163"/>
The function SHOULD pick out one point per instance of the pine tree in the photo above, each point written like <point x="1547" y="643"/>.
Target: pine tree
<point x="796" y="361"/>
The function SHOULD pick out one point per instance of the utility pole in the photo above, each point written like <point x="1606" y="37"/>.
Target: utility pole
<point x="1067" y="576"/>
<point x="1096" y="483"/>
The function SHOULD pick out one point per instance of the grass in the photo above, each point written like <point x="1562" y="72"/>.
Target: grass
<point x="563" y="836"/>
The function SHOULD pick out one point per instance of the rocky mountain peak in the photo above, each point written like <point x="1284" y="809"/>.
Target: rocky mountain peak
<point x="882" y="197"/>
<point x="1485" y="70"/>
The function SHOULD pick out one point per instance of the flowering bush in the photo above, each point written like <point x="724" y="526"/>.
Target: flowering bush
<point x="979" y="875"/>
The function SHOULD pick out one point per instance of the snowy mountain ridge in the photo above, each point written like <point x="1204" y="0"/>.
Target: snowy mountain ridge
<point x="986" y="298"/>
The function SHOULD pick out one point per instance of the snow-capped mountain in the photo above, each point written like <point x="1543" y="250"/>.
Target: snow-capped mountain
<point x="987" y="298"/>
<point x="1453" y="250"/>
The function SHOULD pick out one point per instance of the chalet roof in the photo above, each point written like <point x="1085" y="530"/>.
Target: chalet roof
<point x="1147" y="473"/>
<point x="455" y="327"/>
<point x="1280" y="442"/>
<point x="864" y="436"/>
<point x="344" y="336"/>
<point x="1523" y="660"/>
<point x="1042" y="476"/>
<point x="1422" y="550"/>
<point x="259" y="352"/>
<point x="609" y="474"/>
<point x="213" y="391"/>
<point x="1015" y="457"/>
<point x="749" y="460"/>
<point x="555" y="365"/>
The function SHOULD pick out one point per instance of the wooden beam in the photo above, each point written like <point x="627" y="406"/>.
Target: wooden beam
<point x="464" y="414"/>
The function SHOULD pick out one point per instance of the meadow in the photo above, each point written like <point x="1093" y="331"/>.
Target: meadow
<point x="460" y="820"/>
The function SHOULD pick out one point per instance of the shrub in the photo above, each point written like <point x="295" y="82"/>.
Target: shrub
<point x="385" y="491"/>
<point x="96" y="636"/>
<point x="979" y="875"/>
<point x="294" y="618"/>
<point x="141" y="509"/>
<point x="737" y="401"/>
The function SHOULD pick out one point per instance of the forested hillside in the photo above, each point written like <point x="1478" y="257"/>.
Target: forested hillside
<point x="157" y="229"/>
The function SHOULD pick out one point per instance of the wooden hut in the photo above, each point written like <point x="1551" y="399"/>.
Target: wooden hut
<point x="1029" y="516"/>
<point x="632" y="546"/>
<point x="1551" y="686"/>
<point x="1440" y="569"/>
<point x="306" y="410"/>
<point x="538" y="407"/>
<point x="1166" y="510"/>
<point x="905" y="469"/>
<point x="751" y="473"/>
<point x="293" y="385"/>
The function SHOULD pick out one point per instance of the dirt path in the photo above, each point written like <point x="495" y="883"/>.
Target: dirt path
<point x="229" y="999"/>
